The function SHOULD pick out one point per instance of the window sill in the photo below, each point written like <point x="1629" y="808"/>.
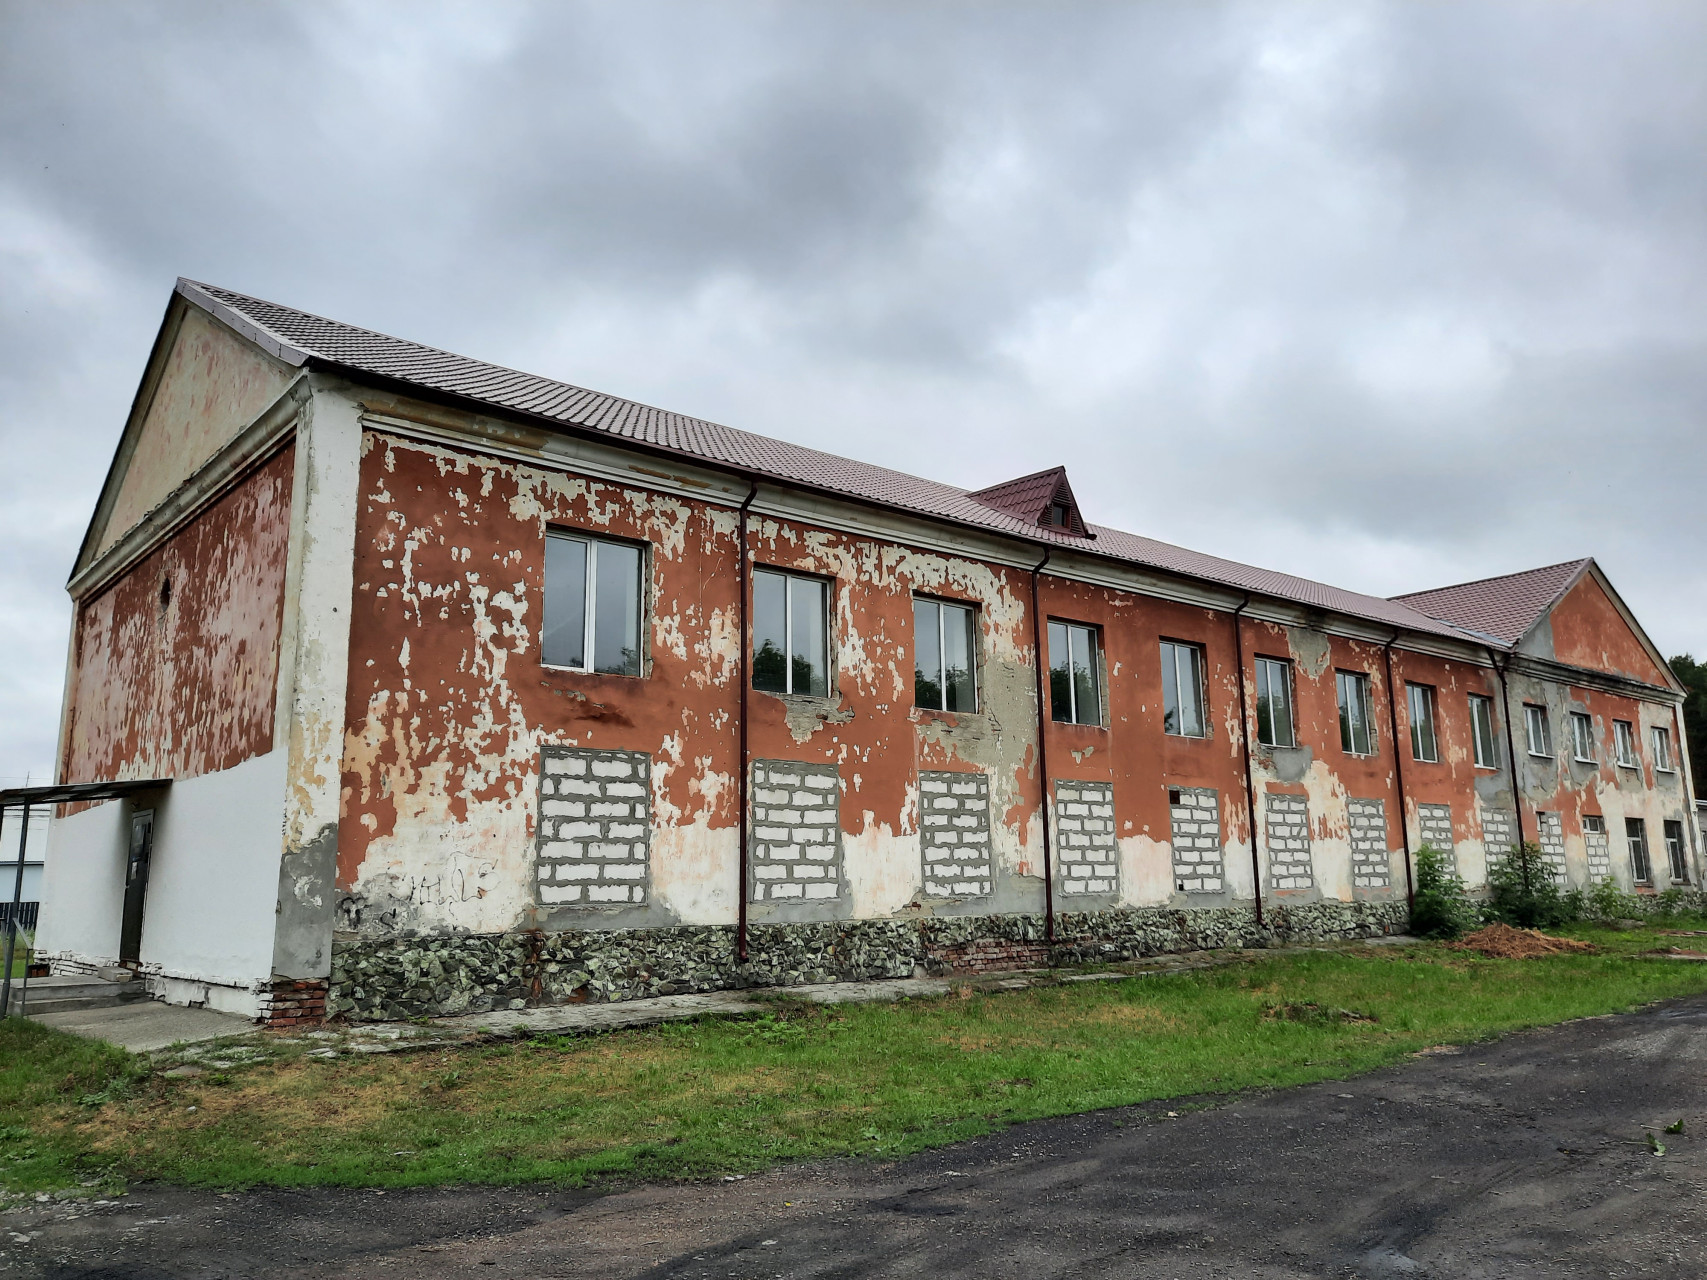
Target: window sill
<point x="583" y="671"/>
<point x="1541" y="755"/>
<point x="1584" y="760"/>
<point x="1188" y="737"/>
<point x="1657" y="769"/>
<point x="1074" y="724"/>
<point x="1491" y="768"/>
<point x="1634" y="768"/>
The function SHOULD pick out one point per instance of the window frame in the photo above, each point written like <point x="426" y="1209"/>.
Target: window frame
<point x="1263" y="665"/>
<point x="1636" y="841"/>
<point x="974" y="634"/>
<point x="1200" y="662"/>
<point x="1584" y="721"/>
<point x="1677" y="850"/>
<point x="1661" y="738"/>
<point x="1534" y="713"/>
<point x="1594" y="817"/>
<point x="1482" y="715"/>
<point x="589" y="604"/>
<point x="1430" y="704"/>
<point x="1094" y="668"/>
<point x="1360" y="684"/>
<point x="1624" y="736"/>
<point x="787" y="575"/>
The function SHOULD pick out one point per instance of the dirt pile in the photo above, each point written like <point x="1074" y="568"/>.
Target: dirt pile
<point x="1502" y="942"/>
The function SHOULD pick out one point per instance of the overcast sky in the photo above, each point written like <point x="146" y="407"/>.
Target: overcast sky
<point x="1386" y="295"/>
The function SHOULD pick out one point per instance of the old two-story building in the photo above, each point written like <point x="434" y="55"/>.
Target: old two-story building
<point x="458" y="688"/>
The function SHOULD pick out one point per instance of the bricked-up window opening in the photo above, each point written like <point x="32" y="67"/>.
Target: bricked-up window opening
<point x="1357" y="713"/>
<point x="1424" y="746"/>
<point x="945" y="647"/>
<point x="1274" y="703"/>
<point x="1582" y="737"/>
<point x="1596" y="845"/>
<point x="1485" y="745"/>
<point x="1662" y="750"/>
<point x="592" y="605"/>
<point x="1182" y="690"/>
<point x="1636" y="834"/>
<point x="1075" y="674"/>
<point x="1624" y="738"/>
<point x="1675" y="852"/>
<point x="791" y="633"/>
<point x="1536" y="730"/>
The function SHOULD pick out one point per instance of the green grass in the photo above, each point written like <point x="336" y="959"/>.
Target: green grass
<point x="715" y="1097"/>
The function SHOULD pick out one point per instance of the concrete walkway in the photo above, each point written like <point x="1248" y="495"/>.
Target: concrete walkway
<point x="146" y="1025"/>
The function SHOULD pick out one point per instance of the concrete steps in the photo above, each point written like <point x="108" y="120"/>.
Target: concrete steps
<point x="70" y="992"/>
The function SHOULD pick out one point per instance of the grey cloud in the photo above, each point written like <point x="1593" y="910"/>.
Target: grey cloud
<point x="1385" y="294"/>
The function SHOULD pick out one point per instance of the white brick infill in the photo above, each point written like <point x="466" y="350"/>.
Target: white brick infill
<point x="1086" y="853"/>
<point x="1288" y="832"/>
<point x="797" y="832"/>
<point x="595" y="828"/>
<point x="1195" y="826"/>
<point x="954" y="834"/>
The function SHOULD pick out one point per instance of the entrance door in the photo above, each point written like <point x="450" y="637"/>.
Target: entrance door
<point x="136" y="884"/>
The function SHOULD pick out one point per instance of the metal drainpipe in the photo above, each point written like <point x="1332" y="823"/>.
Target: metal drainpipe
<point x="744" y="577"/>
<point x="1510" y="743"/>
<point x="1043" y="755"/>
<point x="1398" y="765"/>
<point x="12" y="929"/>
<point x="1245" y="748"/>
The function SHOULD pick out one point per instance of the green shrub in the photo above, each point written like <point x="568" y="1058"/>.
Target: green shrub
<point x="1439" y="908"/>
<point x="1606" y="901"/>
<point x="1523" y="893"/>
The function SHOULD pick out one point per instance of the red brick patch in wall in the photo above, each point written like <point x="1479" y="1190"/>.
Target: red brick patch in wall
<point x="294" y="1002"/>
<point x="990" y="955"/>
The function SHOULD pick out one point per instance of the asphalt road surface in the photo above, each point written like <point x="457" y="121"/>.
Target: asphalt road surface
<point x="1529" y="1156"/>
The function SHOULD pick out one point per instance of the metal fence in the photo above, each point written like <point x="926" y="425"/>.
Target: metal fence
<point x="27" y="913"/>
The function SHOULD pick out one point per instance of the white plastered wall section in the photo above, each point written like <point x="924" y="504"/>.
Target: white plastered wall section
<point x="207" y="924"/>
<point x="83" y="885"/>
<point x="207" y="931"/>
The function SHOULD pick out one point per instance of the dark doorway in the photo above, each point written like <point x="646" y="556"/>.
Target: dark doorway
<point x="136" y="884"/>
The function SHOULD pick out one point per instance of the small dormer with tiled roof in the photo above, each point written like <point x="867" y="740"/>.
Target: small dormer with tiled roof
<point x="1043" y="498"/>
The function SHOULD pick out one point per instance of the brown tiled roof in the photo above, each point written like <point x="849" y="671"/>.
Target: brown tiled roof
<point x="299" y="338"/>
<point x="1504" y="607"/>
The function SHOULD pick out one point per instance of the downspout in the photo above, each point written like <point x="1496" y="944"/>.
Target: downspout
<point x="1245" y="749"/>
<point x="744" y="577"/>
<point x="1043" y="755"/>
<point x="1510" y="743"/>
<point x="13" y="924"/>
<point x="1398" y="766"/>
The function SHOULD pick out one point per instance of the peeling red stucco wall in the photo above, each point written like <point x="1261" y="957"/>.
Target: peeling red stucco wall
<point x="176" y="663"/>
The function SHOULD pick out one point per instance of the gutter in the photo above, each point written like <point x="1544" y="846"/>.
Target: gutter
<point x="744" y="576"/>
<point x="1043" y="755"/>
<point x="1245" y="750"/>
<point x="1398" y="767"/>
<point x="1510" y="744"/>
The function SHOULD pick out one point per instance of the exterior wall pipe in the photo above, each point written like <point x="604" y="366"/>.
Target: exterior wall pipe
<point x="744" y="576"/>
<point x="1398" y="766"/>
<point x="1686" y="773"/>
<point x="1510" y="744"/>
<point x="12" y="923"/>
<point x="1043" y="755"/>
<point x="1245" y="749"/>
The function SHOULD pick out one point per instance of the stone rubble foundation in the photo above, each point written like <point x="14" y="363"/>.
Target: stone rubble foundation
<point x="398" y="979"/>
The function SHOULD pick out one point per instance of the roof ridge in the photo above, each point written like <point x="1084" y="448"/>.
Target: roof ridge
<point x="1476" y="582"/>
<point x="346" y="346"/>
